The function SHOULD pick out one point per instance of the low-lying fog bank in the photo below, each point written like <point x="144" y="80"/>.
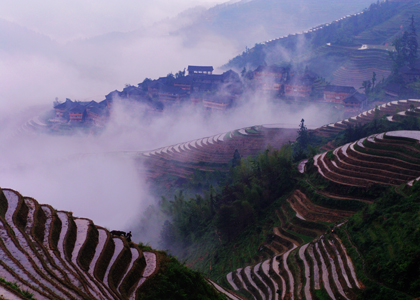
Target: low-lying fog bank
<point x="73" y="173"/>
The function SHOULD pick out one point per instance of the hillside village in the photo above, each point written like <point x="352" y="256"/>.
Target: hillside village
<point x="211" y="92"/>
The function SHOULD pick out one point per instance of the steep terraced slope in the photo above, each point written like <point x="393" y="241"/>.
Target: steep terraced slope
<point x="213" y="152"/>
<point x="360" y="66"/>
<point x="299" y="261"/>
<point x="390" y="158"/>
<point x="301" y="272"/>
<point x="53" y="255"/>
<point x="390" y="109"/>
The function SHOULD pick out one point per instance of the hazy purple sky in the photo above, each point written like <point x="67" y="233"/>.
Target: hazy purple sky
<point x="67" y="20"/>
<point x="84" y="49"/>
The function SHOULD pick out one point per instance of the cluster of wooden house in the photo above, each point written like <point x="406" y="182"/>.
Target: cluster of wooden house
<point x="77" y="112"/>
<point x="212" y="91"/>
<point x="200" y="85"/>
<point x="291" y="84"/>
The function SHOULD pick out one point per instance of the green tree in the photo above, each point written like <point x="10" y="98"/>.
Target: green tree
<point x="144" y="85"/>
<point x="179" y="74"/>
<point x="373" y="80"/>
<point x="366" y="85"/>
<point x="303" y="137"/>
<point x="412" y="44"/>
<point x="405" y="48"/>
<point x="302" y="141"/>
<point x="236" y="160"/>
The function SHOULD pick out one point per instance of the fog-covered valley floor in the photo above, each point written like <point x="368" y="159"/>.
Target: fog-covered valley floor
<point x="85" y="174"/>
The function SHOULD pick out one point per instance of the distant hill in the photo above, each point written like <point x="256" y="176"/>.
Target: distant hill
<point x="247" y="22"/>
<point x="335" y="50"/>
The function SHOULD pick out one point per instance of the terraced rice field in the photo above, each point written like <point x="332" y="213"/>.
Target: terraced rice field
<point x="391" y="108"/>
<point x="304" y="257"/>
<point x="213" y="152"/>
<point x="360" y="67"/>
<point x="54" y="255"/>
<point x="391" y="158"/>
<point x="300" y="272"/>
<point x="298" y="261"/>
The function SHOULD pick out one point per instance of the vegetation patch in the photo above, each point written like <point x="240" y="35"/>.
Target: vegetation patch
<point x="15" y="286"/>
<point x="391" y="252"/>
<point x="175" y="281"/>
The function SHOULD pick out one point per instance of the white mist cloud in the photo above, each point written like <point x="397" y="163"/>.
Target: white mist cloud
<point x="36" y="70"/>
<point x="73" y="173"/>
<point x="86" y="174"/>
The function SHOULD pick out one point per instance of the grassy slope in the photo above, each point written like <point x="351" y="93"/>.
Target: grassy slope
<point x="387" y="234"/>
<point x="175" y="281"/>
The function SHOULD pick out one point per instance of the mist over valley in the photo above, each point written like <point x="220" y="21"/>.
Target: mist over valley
<point x="271" y="146"/>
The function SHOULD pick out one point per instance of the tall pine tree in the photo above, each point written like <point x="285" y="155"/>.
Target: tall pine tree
<point x="412" y="44"/>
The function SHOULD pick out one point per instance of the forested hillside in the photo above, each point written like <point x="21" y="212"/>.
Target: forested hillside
<point x="345" y="206"/>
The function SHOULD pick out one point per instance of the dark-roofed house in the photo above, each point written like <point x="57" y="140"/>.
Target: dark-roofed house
<point x="171" y="94"/>
<point x="298" y="88"/>
<point x="80" y="112"/>
<point x="184" y="82"/>
<point x="134" y="93"/>
<point x="354" y="100"/>
<point x="196" y="97"/>
<point x="110" y="98"/>
<point x="60" y="109"/>
<point x="217" y="102"/>
<point x="77" y="113"/>
<point x="337" y="93"/>
<point x="199" y="70"/>
<point x="270" y="78"/>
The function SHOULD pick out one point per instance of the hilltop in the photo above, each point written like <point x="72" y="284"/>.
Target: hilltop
<point x="345" y="51"/>
<point x="246" y="22"/>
